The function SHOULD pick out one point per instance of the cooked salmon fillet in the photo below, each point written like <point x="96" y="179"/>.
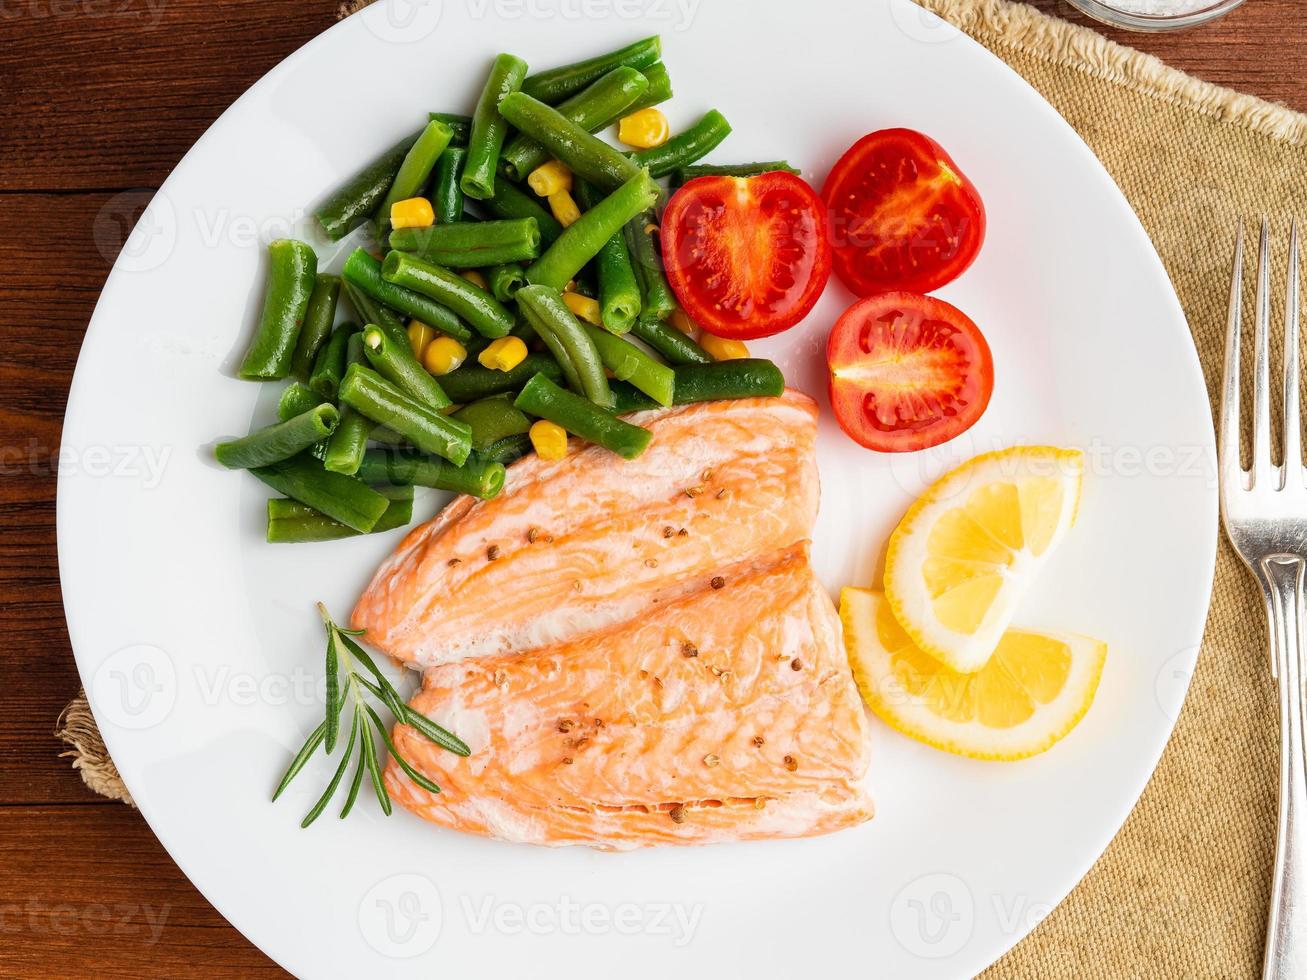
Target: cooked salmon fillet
<point x="726" y="714"/>
<point x="578" y="544"/>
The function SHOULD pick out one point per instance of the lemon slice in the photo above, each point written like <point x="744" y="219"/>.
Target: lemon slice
<point x="967" y="550"/>
<point x="1035" y="688"/>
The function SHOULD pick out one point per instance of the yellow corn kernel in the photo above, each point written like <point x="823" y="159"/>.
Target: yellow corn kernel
<point x="564" y="208"/>
<point x="584" y="307"/>
<point x="419" y="336"/>
<point x="550" y="178"/>
<point x="475" y="277"/>
<point x="644" y="129"/>
<point x="415" y="212"/>
<point x="444" y="354"/>
<point x="503" y="354"/>
<point x="549" y="440"/>
<point x="682" y="322"/>
<point x="722" y="349"/>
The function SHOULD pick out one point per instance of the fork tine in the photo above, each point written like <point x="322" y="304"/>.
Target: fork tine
<point x="1231" y="471"/>
<point x="1293" y="472"/>
<point x="1262" y="468"/>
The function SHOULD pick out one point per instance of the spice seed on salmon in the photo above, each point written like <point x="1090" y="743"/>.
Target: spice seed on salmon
<point x="718" y="582"/>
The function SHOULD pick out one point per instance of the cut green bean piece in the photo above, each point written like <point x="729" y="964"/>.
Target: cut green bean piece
<point x="582" y="241"/>
<point x="511" y="201"/>
<point x="369" y="393"/>
<point x="396" y="363"/>
<point x="673" y="345"/>
<point x="601" y="104"/>
<point x="330" y="363"/>
<point x="506" y="451"/>
<point x="341" y="498"/>
<point x="630" y="363"/>
<point x="318" y="319"/>
<point x="619" y="290"/>
<point x="487" y="315"/>
<point x="747" y="377"/>
<point x="472" y="245"/>
<point x="683" y="175"/>
<point x="551" y="318"/>
<point x="370" y="311"/>
<point x="292" y="267"/>
<point x="296" y="400"/>
<point x="364" y="272"/>
<point x="460" y="126"/>
<point x="493" y="419"/>
<point x="656" y="297"/>
<point x="290" y="522"/>
<point x="477" y="477"/>
<point x="659" y="90"/>
<point x="505" y="280"/>
<point x="685" y="148"/>
<point x="446" y="194"/>
<point x="356" y="200"/>
<point x="555" y="84"/>
<point x="414" y="171"/>
<point x="489" y="127"/>
<point x="585" y="155"/>
<point x="544" y="399"/>
<point x="472" y="381"/>
<point x="344" y="450"/>
<point x="278" y="441"/>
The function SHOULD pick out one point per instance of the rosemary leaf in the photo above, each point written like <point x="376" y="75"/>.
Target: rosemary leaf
<point x="340" y="773"/>
<point x="354" y="786"/>
<point x="310" y="746"/>
<point x="445" y="739"/>
<point x="370" y="755"/>
<point x="409" y="771"/>
<point x="333" y="690"/>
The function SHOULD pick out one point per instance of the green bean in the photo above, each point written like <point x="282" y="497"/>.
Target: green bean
<point x="600" y="105"/>
<point x="673" y="345"/>
<point x="329" y="366"/>
<point x="414" y="171"/>
<point x="556" y="84"/>
<point x="370" y="311"/>
<point x="582" y="241"/>
<point x="290" y="522"/>
<point x="619" y="290"/>
<point x="585" y="155"/>
<point x="657" y="298"/>
<point x="542" y="398"/>
<point x="630" y="363"/>
<point x="397" y="364"/>
<point x="472" y="381"/>
<point x="318" y="318"/>
<point x="291" y="271"/>
<point x="296" y="400"/>
<point x="659" y="90"/>
<point x="493" y="419"/>
<point x="478" y="477"/>
<point x="486" y="314"/>
<point x="278" y="441"/>
<point x="340" y="497"/>
<point x="506" y="450"/>
<point x="365" y="273"/>
<point x="683" y="175"/>
<point x="369" y="393"/>
<point x="489" y="127"/>
<point x="344" y="450"/>
<point x="505" y="280"/>
<point x="720" y="380"/>
<point x="356" y="200"/>
<point x="551" y="318"/>
<point x="685" y="148"/>
<point x="446" y="194"/>
<point x="513" y="202"/>
<point x="472" y="245"/>
<point x="460" y="126"/>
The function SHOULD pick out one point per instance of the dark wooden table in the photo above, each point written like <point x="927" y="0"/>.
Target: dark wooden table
<point x="98" y="97"/>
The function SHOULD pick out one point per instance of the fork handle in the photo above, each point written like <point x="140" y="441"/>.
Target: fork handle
<point x="1286" y="928"/>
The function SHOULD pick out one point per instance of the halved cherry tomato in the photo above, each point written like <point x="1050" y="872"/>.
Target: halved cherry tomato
<point x="746" y="256"/>
<point x="902" y="215"/>
<point x="907" y="372"/>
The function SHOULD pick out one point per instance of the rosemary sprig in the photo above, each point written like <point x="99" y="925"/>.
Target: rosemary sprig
<point x="344" y="651"/>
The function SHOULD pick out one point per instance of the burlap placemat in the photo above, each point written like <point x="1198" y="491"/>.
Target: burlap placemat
<point x="1183" y="889"/>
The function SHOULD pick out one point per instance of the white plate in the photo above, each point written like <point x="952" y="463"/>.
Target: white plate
<point x="199" y="644"/>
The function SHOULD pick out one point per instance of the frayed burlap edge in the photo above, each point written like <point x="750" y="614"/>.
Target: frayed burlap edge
<point x="76" y="727"/>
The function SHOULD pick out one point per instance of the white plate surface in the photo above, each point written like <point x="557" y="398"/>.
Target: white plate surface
<point x="199" y="643"/>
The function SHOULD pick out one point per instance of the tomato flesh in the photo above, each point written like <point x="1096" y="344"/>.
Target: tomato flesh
<point x="746" y="256"/>
<point x="907" y="372"/>
<point x="902" y="214"/>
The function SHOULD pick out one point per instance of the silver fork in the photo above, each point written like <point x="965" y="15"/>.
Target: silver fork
<point x="1265" y="514"/>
